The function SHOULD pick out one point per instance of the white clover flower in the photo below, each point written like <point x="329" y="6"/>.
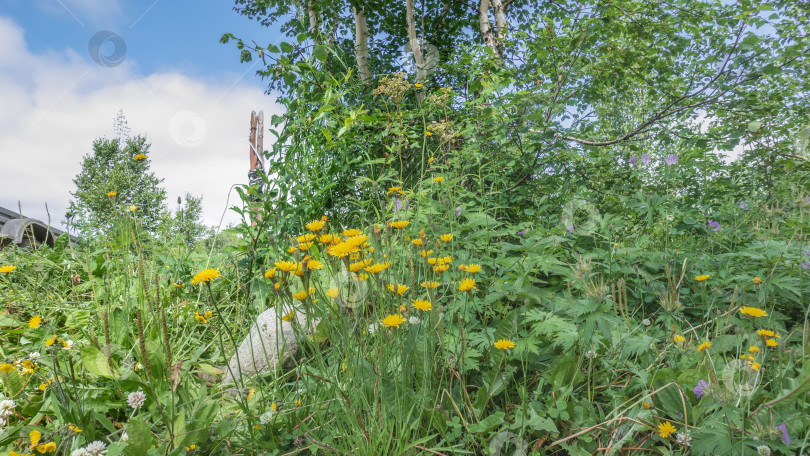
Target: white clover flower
<point x="763" y="450"/>
<point x="372" y="327"/>
<point x="590" y="354"/>
<point x="125" y="437"/>
<point x="684" y="439"/>
<point x="266" y="417"/>
<point x="68" y="345"/>
<point x="646" y="322"/>
<point x="7" y="407"/>
<point x="79" y="452"/>
<point x="136" y="399"/>
<point x="413" y="320"/>
<point x="97" y="448"/>
<point x="34" y="356"/>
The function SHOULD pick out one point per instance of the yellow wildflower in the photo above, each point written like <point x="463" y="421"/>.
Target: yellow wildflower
<point x="133" y="208"/>
<point x="417" y="241"/>
<point x="757" y="280"/>
<point x="504" y="344"/>
<point x="270" y="273"/>
<point x="6" y="368"/>
<point x="679" y="339"/>
<point x="46" y="447"/>
<point x="755" y="366"/>
<point x="397" y="288"/>
<point x="326" y="238"/>
<point x="704" y="346"/>
<point x="400" y="224"/>
<point x="429" y="284"/>
<point x="34" y="322"/>
<point x="205" y="276"/>
<point x="422" y="305"/>
<point x="314" y="264"/>
<point x="74" y="428"/>
<point x="665" y="429"/>
<point x="378" y="267"/>
<point x="200" y="318"/>
<point x="140" y="157"/>
<point x="50" y="341"/>
<point x="765" y="333"/>
<point x="351" y="232"/>
<point x="428" y="133"/>
<point x="393" y="321"/>
<point x="395" y="190"/>
<point x="112" y="194"/>
<point x="753" y="349"/>
<point x="355" y="267"/>
<point x="332" y="292"/>
<point x="425" y="253"/>
<point x="288" y="316"/>
<point x="301" y="295"/>
<point x="315" y="225"/>
<point x="286" y="266"/>
<point x="701" y="278"/>
<point x="34" y="436"/>
<point x="646" y="405"/>
<point x="753" y="312"/>
<point x="306" y="237"/>
<point x="467" y="285"/>
<point x="473" y="268"/>
<point x="446" y="237"/>
<point x="417" y="85"/>
<point x="430" y="160"/>
<point x="438" y="179"/>
<point x="440" y="268"/>
<point x="771" y="343"/>
<point x="7" y="268"/>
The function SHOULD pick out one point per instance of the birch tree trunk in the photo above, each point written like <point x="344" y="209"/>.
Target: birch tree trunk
<point x="486" y="29"/>
<point x="313" y="18"/>
<point x="414" y="43"/>
<point x="500" y="17"/>
<point x="361" y="44"/>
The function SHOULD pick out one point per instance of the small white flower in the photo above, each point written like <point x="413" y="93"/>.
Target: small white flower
<point x="7" y="407"/>
<point x="79" y="452"/>
<point x="590" y="354"/>
<point x="125" y="437"/>
<point x="97" y="448"/>
<point x="646" y="322"/>
<point x="33" y="356"/>
<point x="684" y="439"/>
<point x="136" y="399"/>
<point x="266" y="417"/>
<point x="372" y="327"/>
<point x="413" y="320"/>
<point x="68" y="345"/>
<point x="763" y="450"/>
<point x="138" y="366"/>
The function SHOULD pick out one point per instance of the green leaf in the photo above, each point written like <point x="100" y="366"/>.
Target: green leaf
<point x="95" y="362"/>
<point x="488" y="424"/>
<point x="140" y="437"/>
<point x="320" y="52"/>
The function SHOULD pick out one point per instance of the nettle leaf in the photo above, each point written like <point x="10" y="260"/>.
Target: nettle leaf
<point x="562" y="333"/>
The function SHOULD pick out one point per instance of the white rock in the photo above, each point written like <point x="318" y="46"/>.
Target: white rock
<point x="270" y="343"/>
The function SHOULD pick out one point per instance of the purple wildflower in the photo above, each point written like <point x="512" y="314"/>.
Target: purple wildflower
<point x="458" y="211"/>
<point x="806" y="252"/>
<point x="632" y="160"/>
<point x="397" y="204"/>
<point x="571" y="230"/>
<point x="671" y="159"/>
<point x="646" y="159"/>
<point x="714" y="224"/>
<point x="743" y="204"/>
<point x="785" y="436"/>
<point x="521" y="233"/>
<point x="805" y="265"/>
<point x="700" y="389"/>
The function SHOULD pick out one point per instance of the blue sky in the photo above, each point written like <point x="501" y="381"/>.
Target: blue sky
<point x="160" y="35"/>
<point x="176" y="84"/>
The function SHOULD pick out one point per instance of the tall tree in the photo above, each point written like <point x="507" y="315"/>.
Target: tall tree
<point x="119" y="166"/>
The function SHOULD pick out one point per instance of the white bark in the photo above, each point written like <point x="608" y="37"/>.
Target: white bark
<point x="361" y="44"/>
<point x="486" y="29"/>
<point x="414" y="42"/>
<point x="313" y="18"/>
<point x="500" y="17"/>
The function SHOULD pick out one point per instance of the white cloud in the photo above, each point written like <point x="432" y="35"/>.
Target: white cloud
<point x="83" y="11"/>
<point x="56" y="104"/>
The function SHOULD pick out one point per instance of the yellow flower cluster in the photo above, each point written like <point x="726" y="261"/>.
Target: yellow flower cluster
<point x="205" y="276"/>
<point x="7" y="268"/>
<point x="753" y="312"/>
<point x="204" y="318"/>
